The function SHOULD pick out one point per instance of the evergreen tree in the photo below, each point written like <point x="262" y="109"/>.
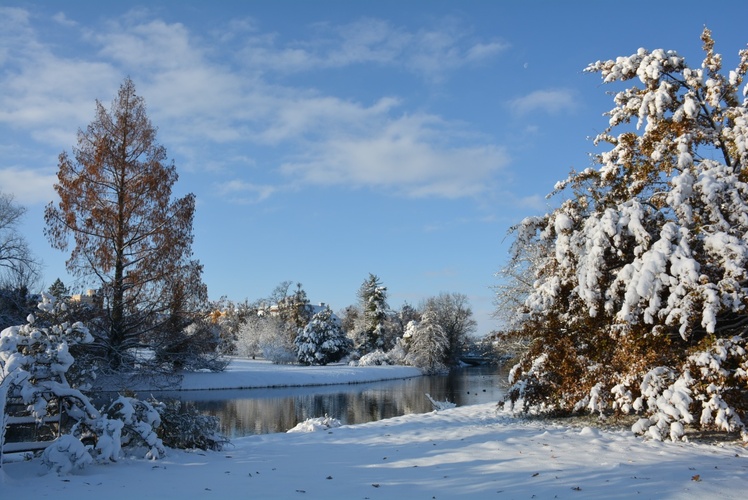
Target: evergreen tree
<point x="58" y="290"/>
<point x="373" y="297"/>
<point x="322" y="341"/>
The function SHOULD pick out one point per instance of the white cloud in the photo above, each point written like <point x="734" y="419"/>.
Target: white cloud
<point x="199" y="102"/>
<point x="482" y="51"/>
<point x="242" y="192"/>
<point x="44" y="93"/>
<point x="549" y="101"/>
<point x="305" y="115"/>
<point x="535" y="202"/>
<point x="28" y="187"/>
<point x="61" y="19"/>
<point x="147" y="44"/>
<point x="431" y="53"/>
<point x="410" y="155"/>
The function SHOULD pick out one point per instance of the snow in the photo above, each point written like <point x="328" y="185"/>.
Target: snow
<point x="465" y="452"/>
<point x="252" y="374"/>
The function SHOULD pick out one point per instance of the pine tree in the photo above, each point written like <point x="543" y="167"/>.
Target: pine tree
<point x="322" y="341"/>
<point x="58" y="289"/>
<point x="373" y="298"/>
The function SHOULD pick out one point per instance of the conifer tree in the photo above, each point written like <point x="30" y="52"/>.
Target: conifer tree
<point x="373" y="297"/>
<point x="129" y="237"/>
<point x="322" y="341"/>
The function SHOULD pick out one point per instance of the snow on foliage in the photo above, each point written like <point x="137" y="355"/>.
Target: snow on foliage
<point x="65" y="455"/>
<point x="34" y="360"/>
<point x="376" y="358"/>
<point x="648" y="279"/>
<point x="323" y="340"/>
<point x="427" y="343"/>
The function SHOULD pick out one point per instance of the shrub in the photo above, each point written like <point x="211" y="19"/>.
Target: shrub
<point x="184" y="427"/>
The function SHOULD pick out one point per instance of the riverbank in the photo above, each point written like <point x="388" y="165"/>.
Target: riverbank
<point x="466" y="452"/>
<point x="242" y="373"/>
<point x="256" y="374"/>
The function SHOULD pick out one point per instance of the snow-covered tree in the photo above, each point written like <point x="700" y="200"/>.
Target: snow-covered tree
<point x="427" y="342"/>
<point x="322" y="340"/>
<point x="34" y="361"/>
<point x="640" y="306"/>
<point x="373" y="297"/>
<point x="267" y="336"/>
<point x="453" y="314"/>
<point x="295" y="310"/>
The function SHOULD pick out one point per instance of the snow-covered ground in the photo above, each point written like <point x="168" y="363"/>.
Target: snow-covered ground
<point x="249" y="374"/>
<point x="464" y="452"/>
<point x="252" y="374"/>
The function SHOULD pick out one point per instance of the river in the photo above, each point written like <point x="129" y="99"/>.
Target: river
<point x="263" y="411"/>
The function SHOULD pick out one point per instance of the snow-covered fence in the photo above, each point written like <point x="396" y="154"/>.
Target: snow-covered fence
<point x="22" y="432"/>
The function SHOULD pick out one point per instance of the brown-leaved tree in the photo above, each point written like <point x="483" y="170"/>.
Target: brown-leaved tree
<point x="129" y="235"/>
<point x="639" y="295"/>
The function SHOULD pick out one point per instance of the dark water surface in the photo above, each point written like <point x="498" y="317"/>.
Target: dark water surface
<point x="263" y="411"/>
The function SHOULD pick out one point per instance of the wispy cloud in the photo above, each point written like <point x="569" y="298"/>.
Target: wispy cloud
<point x="548" y="101"/>
<point x="243" y="192"/>
<point x="203" y="105"/>
<point x="28" y="186"/>
<point x="408" y="155"/>
<point x="61" y="19"/>
<point x="431" y="53"/>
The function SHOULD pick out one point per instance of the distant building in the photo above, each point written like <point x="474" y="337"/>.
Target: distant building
<point x="88" y="298"/>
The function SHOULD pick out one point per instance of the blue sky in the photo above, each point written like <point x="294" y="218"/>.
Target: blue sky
<point x="326" y="140"/>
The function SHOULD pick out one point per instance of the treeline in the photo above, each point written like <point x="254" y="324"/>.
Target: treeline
<point x="286" y="328"/>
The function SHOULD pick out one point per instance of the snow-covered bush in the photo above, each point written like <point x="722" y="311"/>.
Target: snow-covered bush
<point x="34" y="361"/>
<point x="316" y="424"/>
<point x="265" y="336"/>
<point x="440" y="405"/>
<point x="376" y="358"/>
<point x="322" y="341"/>
<point x="65" y="455"/>
<point x="639" y="303"/>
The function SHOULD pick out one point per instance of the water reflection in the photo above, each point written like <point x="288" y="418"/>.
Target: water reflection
<point x="262" y="411"/>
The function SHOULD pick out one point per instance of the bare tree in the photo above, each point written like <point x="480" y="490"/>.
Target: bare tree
<point x="19" y="271"/>
<point x="18" y="266"/>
